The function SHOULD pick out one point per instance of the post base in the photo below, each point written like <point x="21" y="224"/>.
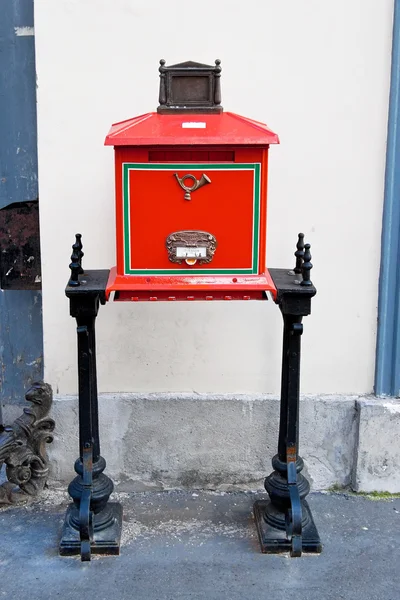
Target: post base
<point x="275" y="541"/>
<point x="106" y="540"/>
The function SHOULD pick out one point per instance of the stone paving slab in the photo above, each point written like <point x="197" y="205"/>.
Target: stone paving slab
<point x="203" y="545"/>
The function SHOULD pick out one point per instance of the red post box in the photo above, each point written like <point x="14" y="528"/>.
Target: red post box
<point x="191" y="208"/>
<point x="191" y="196"/>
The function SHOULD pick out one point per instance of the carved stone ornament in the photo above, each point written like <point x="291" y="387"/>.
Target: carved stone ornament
<point x="23" y="447"/>
<point x="191" y="247"/>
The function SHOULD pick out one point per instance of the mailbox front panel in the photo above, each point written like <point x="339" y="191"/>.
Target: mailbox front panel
<point x="154" y="207"/>
<point x="189" y="218"/>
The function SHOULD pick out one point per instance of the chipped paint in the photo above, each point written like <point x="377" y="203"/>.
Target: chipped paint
<point x="20" y="246"/>
<point x="392" y="407"/>
<point x="24" y="31"/>
<point x="34" y="362"/>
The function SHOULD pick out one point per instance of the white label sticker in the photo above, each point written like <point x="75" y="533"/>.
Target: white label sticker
<point x="184" y="252"/>
<point x="193" y="125"/>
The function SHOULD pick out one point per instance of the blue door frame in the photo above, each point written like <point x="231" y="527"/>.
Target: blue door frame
<point x="387" y="372"/>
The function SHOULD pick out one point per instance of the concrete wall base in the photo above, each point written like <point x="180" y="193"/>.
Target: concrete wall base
<point x="221" y="442"/>
<point x="207" y="441"/>
<point x="377" y="460"/>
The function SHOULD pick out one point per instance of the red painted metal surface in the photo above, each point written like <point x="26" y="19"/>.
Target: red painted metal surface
<point x="157" y="208"/>
<point x="232" y="151"/>
<point x="206" y="287"/>
<point x="152" y="129"/>
<point x="215" y="208"/>
<point x="164" y="296"/>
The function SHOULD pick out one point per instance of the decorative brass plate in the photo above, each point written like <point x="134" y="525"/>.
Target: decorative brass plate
<point x="191" y="247"/>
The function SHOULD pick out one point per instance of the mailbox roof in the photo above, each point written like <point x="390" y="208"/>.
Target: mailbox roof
<point x="153" y="129"/>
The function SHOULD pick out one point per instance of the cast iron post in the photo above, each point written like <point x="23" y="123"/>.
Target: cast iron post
<point x="92" y="524"/>
<point x="285" y="523"/>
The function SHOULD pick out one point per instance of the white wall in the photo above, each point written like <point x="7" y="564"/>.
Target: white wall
<point x="318" y="73"/>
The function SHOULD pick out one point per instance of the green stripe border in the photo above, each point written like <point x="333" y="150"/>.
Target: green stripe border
<point x="256" y="167"/>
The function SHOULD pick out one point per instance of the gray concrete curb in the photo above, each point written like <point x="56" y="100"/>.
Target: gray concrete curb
<point x="377" y="460"/>
<point x="207" y="441"/>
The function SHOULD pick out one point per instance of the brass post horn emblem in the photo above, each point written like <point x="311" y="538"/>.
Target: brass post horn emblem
<point x="197" y="183"/>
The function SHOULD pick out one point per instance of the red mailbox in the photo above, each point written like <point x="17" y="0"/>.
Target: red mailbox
<point x="191" y="207"/>
<point x="191" y="196"/>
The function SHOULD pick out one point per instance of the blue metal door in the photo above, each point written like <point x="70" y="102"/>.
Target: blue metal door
<point x="21" y="338"/>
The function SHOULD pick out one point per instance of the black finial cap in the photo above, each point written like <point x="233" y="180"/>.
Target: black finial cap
<point x="307" y="266"/>
<point x="78" y="248"/>
<point x="76" y="261"/>
<point x="299" y="254"/>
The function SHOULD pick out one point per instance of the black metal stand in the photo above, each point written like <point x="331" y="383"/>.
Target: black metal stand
<point x="92" y="524"/>
<point x="284" y="522"/>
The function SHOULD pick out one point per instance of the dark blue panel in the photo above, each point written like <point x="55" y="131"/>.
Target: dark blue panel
<point x="21" y="338"/>
<point x="18" y="131"/>
<point x="387" y="374"/>
<point x="21" y="354"/>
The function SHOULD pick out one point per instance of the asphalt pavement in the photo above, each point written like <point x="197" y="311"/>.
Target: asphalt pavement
<point x="203" y="545"/>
